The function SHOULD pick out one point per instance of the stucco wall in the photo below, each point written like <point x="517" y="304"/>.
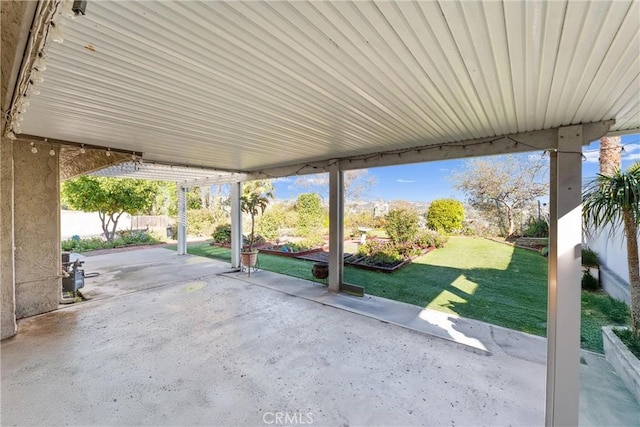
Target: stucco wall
<point x="612" y="252"/>
<point x="7" y="290"/>
<point x="37" y="230"/>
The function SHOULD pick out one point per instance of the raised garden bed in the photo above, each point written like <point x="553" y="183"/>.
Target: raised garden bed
<point x="283" y="250"/>
<point x="361" y="262"/>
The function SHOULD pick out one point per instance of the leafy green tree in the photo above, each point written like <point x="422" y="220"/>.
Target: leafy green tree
<point x="254" y="200"/>
<point x="614" y="201"/>
<point x="503" y="187"/>
<point x="445" y="214"/>
<point x="310" y="213"/>
<point x="401" y="225"/>
<point x="110" y="197"/>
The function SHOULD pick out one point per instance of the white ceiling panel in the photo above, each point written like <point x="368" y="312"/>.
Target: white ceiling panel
<point x="245" y="86"/>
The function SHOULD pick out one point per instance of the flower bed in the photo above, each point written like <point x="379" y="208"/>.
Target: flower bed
<point x="288" y="250"/>
<point x="366" y="263"/>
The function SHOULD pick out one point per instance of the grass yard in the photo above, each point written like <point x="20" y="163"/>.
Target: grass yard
<point x="471" y="277"/>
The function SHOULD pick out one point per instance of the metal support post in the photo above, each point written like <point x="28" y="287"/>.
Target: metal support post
<point x="236" y="224"/>
<point x="336" y="227"/>
<point x="182" y="220"/>
<point x="565" y="240"/>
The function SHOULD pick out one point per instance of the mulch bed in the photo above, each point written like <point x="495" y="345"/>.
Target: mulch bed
<point x="123" y="249"/>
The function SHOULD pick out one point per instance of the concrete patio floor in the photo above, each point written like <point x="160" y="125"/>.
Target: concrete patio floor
<point x="182" y="340"/>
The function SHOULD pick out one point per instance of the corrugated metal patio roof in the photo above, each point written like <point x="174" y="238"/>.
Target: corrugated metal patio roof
<point x="252" y="85"/>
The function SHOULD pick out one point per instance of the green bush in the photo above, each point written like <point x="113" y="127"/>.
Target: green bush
<point x="626" y="336"/>
<point x="589" y="258"/>
<point x="222" y="234"/>
<point x="381" y="253"/>
<point x="429" y="238"/>
<point x="446" y="215"/>
<point x="310" y="214"/>
<point x="589" y="283"/>
<point x="401" y="225"/>
<point x="537" y="228"/>
<point x="123" y="238"/>
<point x="201" y="222"/>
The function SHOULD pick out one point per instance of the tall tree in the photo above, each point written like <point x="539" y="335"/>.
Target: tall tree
<point x="110" y="197"/>
<point x="614" y="201"/>
<point x="610" y="155"/>
<point x="501" y="187"/>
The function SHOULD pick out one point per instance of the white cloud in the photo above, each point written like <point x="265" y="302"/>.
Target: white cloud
<point x="592" y="156"/>
<point x="404" y="180"/>
<point x="283" y="179"/>
<point x="632" y="150"/>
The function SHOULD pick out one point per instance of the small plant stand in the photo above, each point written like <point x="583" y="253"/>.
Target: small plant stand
<point x="249" y="269"/>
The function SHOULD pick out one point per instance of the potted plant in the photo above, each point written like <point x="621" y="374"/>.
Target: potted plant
<point x="254" y="200"/>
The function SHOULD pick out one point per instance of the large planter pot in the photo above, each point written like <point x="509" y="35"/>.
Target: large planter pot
<point x="320" y="270"/>
<point x="249" y="259"/>
<point x="626" y="365"/>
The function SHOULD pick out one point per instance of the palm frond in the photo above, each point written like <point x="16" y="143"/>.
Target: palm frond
<point x="607" y="198"/>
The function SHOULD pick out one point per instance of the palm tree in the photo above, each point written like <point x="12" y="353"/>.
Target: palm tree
<point x="615" y="200"/>
<point x="254" y="200"/>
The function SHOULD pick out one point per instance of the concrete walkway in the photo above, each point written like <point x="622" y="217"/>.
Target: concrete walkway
<point x="170" y="340"/>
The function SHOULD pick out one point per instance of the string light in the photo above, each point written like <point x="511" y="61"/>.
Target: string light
<point x="108" y="153"/>
<point x="52" y="152"/>
<point x="34" y="149"/>
<point x="82" y="150"/>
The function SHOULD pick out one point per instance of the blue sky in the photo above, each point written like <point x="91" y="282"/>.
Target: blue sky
<point x="429" y="181"/>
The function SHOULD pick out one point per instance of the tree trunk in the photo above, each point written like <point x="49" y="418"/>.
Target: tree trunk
<point x="105" y="225"/>
<point x="610" y="157"/>
<point x="252" y="235"/>
<point x="631" y="231"/>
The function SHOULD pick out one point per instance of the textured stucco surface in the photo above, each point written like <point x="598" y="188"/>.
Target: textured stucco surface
<point x="73" y="163"/>
<point x="8" y="320"/>
<point x="37" y="219"/>
<point x="14" y="23"/>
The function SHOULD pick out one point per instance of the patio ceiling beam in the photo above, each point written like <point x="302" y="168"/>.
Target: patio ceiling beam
<point x="505" y="144"/>
<point x="216" y="178"/>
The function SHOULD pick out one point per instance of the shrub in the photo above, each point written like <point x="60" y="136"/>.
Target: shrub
<point x="222" y="234"/>
<point x="401" y="225"/>
<point x="446" y="215"/>
<point x="124" y="238"/>
<point x="537" y="228"/>
<point x="201" y="222"/>
<point x="381" y="253"/>
<point x="589" y="283"/>
<point x="626" y="336"/>
<point x="429" y="238"/>
<point x="310" y="214"/>
<point x="589" y="258"/>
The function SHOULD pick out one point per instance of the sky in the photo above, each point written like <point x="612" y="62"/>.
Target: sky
<point x="429" y="181"/>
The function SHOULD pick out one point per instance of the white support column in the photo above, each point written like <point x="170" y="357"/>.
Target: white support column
<point x="563" y="319"/>
<point x="236" y="224"/>
<point x="182" y="220"/>
<point x="336" y="227"/>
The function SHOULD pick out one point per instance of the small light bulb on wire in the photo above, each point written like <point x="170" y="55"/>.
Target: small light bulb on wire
<point x="34" y="149"/>
<point x="56" y="32"/>
<point x="52" y="152"/>
<point x="108" y="153"/>
<point x="82" y="150"/>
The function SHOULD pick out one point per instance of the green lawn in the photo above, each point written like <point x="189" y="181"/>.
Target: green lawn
<point x="475" y="278"/>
